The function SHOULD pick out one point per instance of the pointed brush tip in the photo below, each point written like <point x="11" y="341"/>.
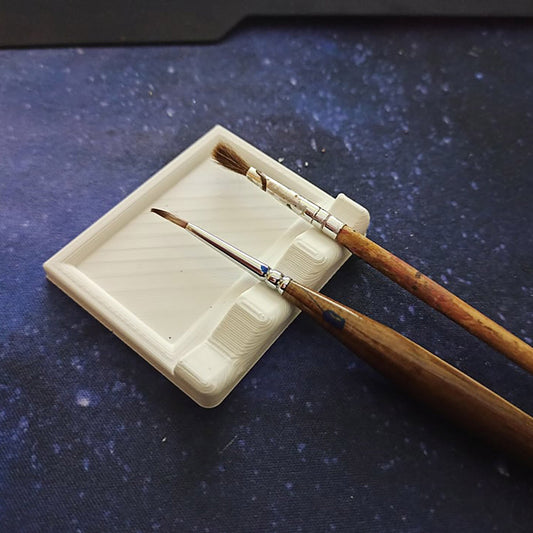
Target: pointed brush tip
<point x="170" y="217"/>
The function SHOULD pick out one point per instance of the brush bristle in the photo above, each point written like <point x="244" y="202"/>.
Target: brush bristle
<point x="170" y="216"/>
<point x="227" y="157"/>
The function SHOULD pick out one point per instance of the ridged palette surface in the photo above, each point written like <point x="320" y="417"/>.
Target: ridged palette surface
<point x="194" y="315"/>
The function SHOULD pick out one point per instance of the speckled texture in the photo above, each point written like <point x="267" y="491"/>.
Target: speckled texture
<point x="429" y="125"/>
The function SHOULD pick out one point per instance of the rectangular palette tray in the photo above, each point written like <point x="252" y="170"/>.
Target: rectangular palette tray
<point x="195" y="316"/>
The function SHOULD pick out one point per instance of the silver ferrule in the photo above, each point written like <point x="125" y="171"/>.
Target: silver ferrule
<point x="276" y="280"/>
<point x="309" y="211"/>
<point x="273" y="278"/>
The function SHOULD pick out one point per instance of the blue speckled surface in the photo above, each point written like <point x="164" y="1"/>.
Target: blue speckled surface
<point x="429" y="125"/>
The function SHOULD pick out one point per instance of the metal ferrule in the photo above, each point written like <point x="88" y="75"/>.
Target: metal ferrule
<point x="309" y="211"/>
<point x="276" y="280"/>
<point x="273" y="278"/>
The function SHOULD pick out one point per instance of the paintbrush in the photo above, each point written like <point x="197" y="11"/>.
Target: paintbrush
<point x="387" y="263"/>
<point x="428" y="378"/>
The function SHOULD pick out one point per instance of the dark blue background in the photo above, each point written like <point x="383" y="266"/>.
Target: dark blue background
<point x="428" y="124"/>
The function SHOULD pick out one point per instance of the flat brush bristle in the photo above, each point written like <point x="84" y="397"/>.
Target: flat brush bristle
<point x="227" y="157"/>
<point x="170" y="216"/>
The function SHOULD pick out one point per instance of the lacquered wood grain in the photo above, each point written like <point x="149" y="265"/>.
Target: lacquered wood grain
<point x="438" y="297"/>
<point x="426" y="377"/>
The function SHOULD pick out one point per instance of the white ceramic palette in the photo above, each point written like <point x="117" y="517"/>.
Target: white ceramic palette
<point x="195" y="316"/>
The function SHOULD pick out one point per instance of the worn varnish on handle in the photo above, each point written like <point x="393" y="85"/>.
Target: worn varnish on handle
<point x="418" y="371"/>
<point x="421" y="373"/>
<point x="397" y="270"/>
<point x="438" y="297"/>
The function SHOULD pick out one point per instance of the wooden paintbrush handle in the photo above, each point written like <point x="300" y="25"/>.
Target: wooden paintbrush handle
<point x="428" y="378"/>
<point x="438" y="297"/>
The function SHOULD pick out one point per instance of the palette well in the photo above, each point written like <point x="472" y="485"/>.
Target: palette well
<point x="196" y="317"/>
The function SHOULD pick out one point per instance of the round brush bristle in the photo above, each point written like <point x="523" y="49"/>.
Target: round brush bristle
<point x="170" y="216"/>
<point x="227" y="157"/>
